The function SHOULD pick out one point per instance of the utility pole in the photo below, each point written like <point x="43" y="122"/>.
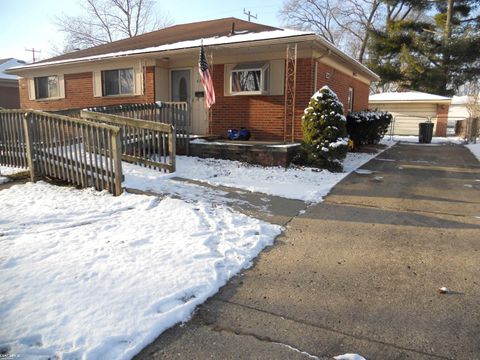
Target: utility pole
<point x="33" y="51"/>
<point x="250" y="15"/>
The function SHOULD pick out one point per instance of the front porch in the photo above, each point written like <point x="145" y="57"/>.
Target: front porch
<point x="266" y="153"/>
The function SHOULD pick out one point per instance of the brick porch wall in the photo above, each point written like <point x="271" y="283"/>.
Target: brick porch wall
<point x="79" y="94"/>
<point x="442" y="120"/>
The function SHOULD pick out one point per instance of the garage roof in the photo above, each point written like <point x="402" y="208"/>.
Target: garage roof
<point x="407" y="97"/>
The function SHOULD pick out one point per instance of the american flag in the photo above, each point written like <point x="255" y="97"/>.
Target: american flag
<point x="206" y="79"/>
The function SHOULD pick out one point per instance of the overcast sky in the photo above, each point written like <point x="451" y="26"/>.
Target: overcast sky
<point x="29" y="23"/>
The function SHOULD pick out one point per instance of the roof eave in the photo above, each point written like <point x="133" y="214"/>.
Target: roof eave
<point x="354" y="63"/>
<point x="140" y="53"/>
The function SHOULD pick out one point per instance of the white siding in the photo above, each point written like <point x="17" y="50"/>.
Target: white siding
<point x="408" y="116"/>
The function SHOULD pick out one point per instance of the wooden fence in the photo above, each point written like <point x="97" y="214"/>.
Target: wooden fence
<point x="173" y="113"/>
<point x="147" y="143"/>
<point x="13" y="151"/>
<point x="79" y="152"/>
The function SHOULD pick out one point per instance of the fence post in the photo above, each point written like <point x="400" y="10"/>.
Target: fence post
<point x="172" y="147"/>
<point x="29" y="144"/>
<point x="117" y="162"/>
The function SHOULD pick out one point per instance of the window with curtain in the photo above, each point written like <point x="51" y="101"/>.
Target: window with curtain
<point x="117" y="82"/>
<point x="47" y="87"/>
<point x="249" y="78"/>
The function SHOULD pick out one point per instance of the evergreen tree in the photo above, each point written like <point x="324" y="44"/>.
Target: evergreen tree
<point x="324" y="131"/>
<point x="434" y="55"/>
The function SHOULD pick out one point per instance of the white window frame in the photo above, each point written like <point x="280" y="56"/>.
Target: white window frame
<point x="59" y="88"/>
<point x="120" y="94"/>
<point x="264" y="86"/>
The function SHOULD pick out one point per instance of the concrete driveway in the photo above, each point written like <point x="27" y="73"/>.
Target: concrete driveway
<point x="359" y="272"/>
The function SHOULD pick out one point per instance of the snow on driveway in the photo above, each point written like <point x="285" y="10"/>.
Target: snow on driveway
<point x="475" y="149"/>
<point x="306" y="184"/>
<point x="88" y="275"/>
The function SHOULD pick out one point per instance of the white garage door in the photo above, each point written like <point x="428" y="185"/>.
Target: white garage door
<point x="407" y="116"/>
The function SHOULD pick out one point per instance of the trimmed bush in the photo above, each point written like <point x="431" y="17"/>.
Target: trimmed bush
<point x="367" y="127"/>
<point x="324" y="132"/>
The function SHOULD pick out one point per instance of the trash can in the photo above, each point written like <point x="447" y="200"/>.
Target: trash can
<point x="425" y="132"/>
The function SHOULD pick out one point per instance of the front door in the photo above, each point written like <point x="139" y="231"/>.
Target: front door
<point x="181" y="85"/>
<point x="181" y="90"/>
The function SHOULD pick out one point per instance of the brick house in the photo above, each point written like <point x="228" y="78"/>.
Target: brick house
<point x="248" y="62"/>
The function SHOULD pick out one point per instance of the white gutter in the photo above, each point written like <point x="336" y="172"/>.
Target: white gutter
<point x="276" y="36"/>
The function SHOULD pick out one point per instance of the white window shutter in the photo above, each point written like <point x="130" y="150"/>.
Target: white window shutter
<point x="277" y="77"/>
<point x="31" y="89"/>
<point x="138" y="73"/>
<point x="61" y="86"/>
<point x="97" y="83"/>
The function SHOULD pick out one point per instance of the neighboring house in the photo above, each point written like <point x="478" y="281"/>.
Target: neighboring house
<point x="247" y="62"/>
<point x="411" y="108"/>
<point x="9" y="94"/>
<point x="463" y="107"/>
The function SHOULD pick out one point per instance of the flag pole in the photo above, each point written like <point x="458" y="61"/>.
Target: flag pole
<point x="210" y="111"/>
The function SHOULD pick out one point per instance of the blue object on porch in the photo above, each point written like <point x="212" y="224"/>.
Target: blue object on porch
<point x="232" y="134"/>
<point x="244" y="134"/>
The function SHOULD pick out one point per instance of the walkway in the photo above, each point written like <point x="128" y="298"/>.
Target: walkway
<point x="359" y="272"/>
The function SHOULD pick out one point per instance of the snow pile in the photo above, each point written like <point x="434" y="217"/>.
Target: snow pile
<point x="307" y="184"/>
<point x="349" y="356"/>
<point x="475" y="149"/>
<point x="88" y="275"/>
<point x="4" y="180"/>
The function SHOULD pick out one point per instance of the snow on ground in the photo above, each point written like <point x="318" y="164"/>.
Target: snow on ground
<point x="349" y="356"/>
<point x="306" y="184"/>
<point x="475" y="149"/>
<point x="414" y="139"/>
<point x="8" y="170"/>
<point x="88" y="275"/>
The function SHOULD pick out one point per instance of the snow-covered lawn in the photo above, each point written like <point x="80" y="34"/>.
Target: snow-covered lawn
<point x="306" y="184"/>
<point x="6" y="171"/>
<point x="88" y="275"/>
<point x="475" y="149"/>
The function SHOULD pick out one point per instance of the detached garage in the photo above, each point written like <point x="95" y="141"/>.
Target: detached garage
<point x="411" y="108"/>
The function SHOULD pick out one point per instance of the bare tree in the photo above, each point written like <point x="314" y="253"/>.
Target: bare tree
<point x="104" y="21"/>
<point x="473" y="99"/>
<point x="346" y="23"/>
<point x="312" y="15"/>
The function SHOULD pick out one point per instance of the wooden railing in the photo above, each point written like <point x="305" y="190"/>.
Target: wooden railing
<point x="13" y="150"/>
<point x="147" y="143"/>
<point x="79" y="152"/>
<point x="174" y="113"/>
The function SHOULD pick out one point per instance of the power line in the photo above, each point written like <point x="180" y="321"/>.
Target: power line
<point x="250" y="15"/>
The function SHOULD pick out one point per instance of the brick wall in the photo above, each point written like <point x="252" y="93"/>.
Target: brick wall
<point x="79" y="94"/>
<point x="442" y="120"/>
<point x="263" y="115"/>
<point x="340" y="82"/>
